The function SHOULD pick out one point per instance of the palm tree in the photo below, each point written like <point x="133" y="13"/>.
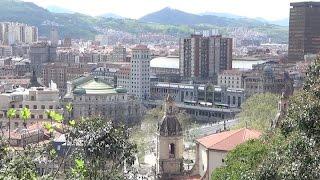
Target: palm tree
<point x="11" y="113"/>
<point x="50" y="115"/>
<point x="69" y="108"/>
<point x="25" y="114"/>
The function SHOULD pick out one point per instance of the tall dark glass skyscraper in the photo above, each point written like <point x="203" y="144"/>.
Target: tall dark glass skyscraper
<point x="304" y="30"/>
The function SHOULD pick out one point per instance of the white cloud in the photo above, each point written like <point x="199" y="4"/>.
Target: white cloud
<point x="268" y="9"/>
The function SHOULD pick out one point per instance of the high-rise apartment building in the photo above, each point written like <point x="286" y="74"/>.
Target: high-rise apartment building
<point x="41" y="53"/>
<point x="304" y="30"/>
<point x="54" y="36"/>
<point x="140" y="72"/>
<point x="204" y="57"/>
<point x="12" y="33"/>
<point x="118" y="53"/>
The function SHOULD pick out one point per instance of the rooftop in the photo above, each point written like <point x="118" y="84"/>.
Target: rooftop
<point x="228" y="140"/>
<point x="140" y="47"/>
<point x="94" y="85"/>
<point x="305" y="4"/>
<point x="165" y="62"/>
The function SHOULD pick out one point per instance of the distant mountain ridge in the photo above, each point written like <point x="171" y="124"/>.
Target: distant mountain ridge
<point x="111" y="15"/>
<point x="177" y="17"/>
<point x="280" y="22"/>
<point x="57" y="9"/>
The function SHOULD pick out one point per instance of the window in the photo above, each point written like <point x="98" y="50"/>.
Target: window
<point x="35" y="107"/>
<point x="32" y="116"/>
<point x="50" y="107"/>
<point x="171" y="150"/>
<point x="27" y="106"/>
<point x="43" y="107"/>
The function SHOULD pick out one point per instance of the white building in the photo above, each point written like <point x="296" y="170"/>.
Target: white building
<point x="37" y="99"/>
<point x="140" y="72"/>
<point x="212" y="149"/>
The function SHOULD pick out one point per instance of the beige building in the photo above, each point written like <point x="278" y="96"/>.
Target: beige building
<point x="170" y="143"/>
<point x="211" y="150"/>
<point x="37" y="99"/>
<point x="231" y="78"/>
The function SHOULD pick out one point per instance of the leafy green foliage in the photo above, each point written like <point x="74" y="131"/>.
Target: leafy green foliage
<point x="25" y="114"/>
<point x="20" y="166"/>
<point x="258" y="111"/>
<point x="11" y="113"/>
<point x="296" y="157"/>
<point x="244" y="158"/>
<point x="105" y="147"/>
<point x="79" y="171"/>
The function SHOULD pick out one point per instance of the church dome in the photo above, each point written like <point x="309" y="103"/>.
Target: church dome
<point x="170" y="125"/>
<point x="268" y="71"/>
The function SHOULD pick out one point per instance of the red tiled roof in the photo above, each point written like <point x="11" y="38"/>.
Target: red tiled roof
<point x="228" y="140"/>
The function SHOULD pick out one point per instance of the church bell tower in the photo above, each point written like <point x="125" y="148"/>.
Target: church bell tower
<point x="170" y="143"/>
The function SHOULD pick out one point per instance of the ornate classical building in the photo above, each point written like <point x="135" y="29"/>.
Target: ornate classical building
<point x="93" y="96"/>
<point x="170" y="143"/>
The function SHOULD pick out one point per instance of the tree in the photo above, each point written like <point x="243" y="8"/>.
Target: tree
<point x="50" y="115"/>
<point x="11" y="113"/>
<point x="104" y="148"/>
<point x="69" y="108"/>
<point x="25" y="114"/>
<point x="298" y="156"/>
<point x="258" y="111"/>
<point x="294" y="152"/>
<point x="245" y="157"/>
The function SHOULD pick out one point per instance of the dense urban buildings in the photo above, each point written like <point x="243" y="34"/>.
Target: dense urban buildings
<point x="304" y="34"/>
<point x="60" y="73"/>
<point x="204" y="57"/>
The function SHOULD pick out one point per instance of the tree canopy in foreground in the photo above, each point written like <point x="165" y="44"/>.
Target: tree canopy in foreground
<point x="258" y="111"/>
<point x="293" y="149"/>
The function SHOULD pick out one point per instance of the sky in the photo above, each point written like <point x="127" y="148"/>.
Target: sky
<point x="267" y="9"/>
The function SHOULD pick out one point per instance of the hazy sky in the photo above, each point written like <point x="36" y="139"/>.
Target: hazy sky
<point x="268" y="9"/>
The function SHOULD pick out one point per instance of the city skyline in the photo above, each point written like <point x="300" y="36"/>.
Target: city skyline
<point x="258" y="9"/>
